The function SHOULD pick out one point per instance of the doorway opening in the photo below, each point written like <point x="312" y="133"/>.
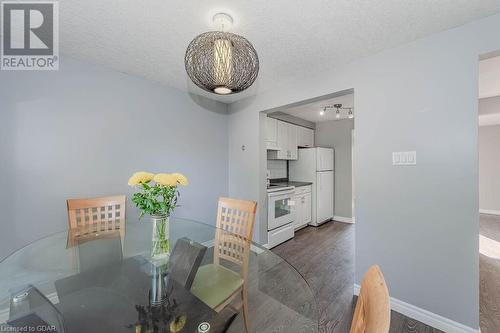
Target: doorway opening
<point x="489" y="191"/>
<point x="312" y="142"/>
<point x="306" y="168"/>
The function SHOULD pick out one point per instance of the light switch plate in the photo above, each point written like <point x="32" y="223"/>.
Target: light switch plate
<point x="404" y="158"/>
<point x="395" y="158"/>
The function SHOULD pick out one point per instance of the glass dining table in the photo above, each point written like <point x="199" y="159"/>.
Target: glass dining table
<point x="104" y="285"/>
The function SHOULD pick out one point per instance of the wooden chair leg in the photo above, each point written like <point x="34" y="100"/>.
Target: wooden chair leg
<point x="246" y="316"/>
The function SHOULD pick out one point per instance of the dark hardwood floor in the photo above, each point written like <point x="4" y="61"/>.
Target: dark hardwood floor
<point x="489" y="273"/>
<point x="325" y="258"/>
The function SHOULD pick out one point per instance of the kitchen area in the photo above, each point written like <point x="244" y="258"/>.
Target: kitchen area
<point x="301" y="172"/>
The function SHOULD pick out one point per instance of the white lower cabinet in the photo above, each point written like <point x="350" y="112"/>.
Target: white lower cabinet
<point x="303" y="208"/>
<point x="280" y="235"/>
<point x="307" y="208"/>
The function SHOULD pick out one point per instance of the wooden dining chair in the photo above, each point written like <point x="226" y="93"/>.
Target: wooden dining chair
<point x="98" y="251"/>
<point x="95" y="217"/>
<point x="224" y="319"/>
<point x="214" y="284"/>
<point x="94" y="260"/>
<point x="373" y="311"/>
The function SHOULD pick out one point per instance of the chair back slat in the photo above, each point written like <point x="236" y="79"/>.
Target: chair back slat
<point x="235" y="222"/>
<point x="373" y="311"/>
<point x="95" y="216"/>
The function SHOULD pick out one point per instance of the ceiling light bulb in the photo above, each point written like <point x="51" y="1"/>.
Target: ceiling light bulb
<point x="322" y="113"/>
<point x="350" y="115"/>
<point x="223" y="57"/>
<point x="337" y="114"/>
<point x="222" y="90"/>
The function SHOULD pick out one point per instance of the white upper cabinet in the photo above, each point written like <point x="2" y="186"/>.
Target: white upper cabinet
<point x="305" y="137"/>
<point x="293" y="142"/>
<point x="271" y="133"/>
<point x="283" y="139"/>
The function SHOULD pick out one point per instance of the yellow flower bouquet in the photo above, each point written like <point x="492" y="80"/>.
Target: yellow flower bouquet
<point x="160" y="198"/>
<point x="157" y="197"/>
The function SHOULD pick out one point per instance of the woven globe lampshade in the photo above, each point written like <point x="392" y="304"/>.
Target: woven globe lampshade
<point x="221" y="62"/>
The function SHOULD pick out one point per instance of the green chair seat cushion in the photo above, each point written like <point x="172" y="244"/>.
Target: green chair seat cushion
<point x="214" y="284"/>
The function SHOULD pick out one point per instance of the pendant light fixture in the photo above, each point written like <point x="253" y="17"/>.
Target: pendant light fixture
<point x="221" y="62"/>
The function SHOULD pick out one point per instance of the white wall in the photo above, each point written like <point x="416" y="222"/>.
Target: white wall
<point x="277" y="169"/>
<point x="244" y="171"/>
<point x="83" y="130"/>
<point x="338" y="135"/>
<point x="419" y="223"/>
<point x="489" y="168"/>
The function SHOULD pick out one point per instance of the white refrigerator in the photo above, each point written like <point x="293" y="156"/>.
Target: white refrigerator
<point x="316" y="165"/>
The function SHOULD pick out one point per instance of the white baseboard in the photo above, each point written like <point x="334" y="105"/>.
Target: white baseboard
<point x="343" y="219"/>
<point x="258" y="250"/>
<point x="489" y="211"/>
<point x="426" y="317"/>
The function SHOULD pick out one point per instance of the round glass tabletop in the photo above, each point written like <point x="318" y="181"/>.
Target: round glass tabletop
<point x="133" y="280"/>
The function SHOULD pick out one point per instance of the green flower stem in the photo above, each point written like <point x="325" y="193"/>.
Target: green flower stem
<point x="156" y="199"/>
<point x="160" y="243"/>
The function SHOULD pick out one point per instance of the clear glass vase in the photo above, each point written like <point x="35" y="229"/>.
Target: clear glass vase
<point x="160" y="246"/>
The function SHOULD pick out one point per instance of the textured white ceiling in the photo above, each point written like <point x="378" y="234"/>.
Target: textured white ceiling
<point x="294" y="39"/>
<point x="311" y="111"/>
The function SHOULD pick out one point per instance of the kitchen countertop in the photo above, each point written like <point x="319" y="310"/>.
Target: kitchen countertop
<point x="292" y="183"/>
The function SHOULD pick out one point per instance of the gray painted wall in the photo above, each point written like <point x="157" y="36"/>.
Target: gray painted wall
<point x="337" y="135"/>
<point x="405" y="215"/>
<point x="244" y="171"/>
<point x="489" y="168"/>
<point x="82" y="131"/>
